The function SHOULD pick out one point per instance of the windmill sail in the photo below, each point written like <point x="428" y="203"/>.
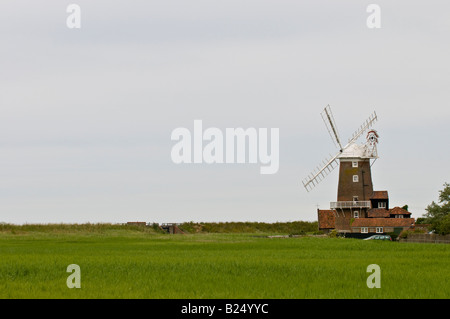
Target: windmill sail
<point x="316" y="176"/>
<point x="366" y="125"/>
<point x="328" y="165"/>
<point x="328" y="119"/>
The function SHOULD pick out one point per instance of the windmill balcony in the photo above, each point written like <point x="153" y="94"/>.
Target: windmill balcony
<point x="350" y="204"/>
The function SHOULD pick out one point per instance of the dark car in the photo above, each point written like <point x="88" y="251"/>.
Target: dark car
<point x="379" y="237"/>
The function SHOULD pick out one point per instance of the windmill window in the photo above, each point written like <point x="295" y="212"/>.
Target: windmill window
<point x="354" y="164"/>
<point x="355" y="178"/>
<point x="382" y="205"/>
<point x="356" y="214"/>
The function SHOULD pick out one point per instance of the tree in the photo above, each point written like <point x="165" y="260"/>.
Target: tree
<point x="438" y="215"/>
<point x="443" y="226"/>
<point x="421" y="220"/>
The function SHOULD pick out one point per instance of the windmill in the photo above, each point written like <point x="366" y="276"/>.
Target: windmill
<point x="355" y="181"/>
<point x="359" y="211"/>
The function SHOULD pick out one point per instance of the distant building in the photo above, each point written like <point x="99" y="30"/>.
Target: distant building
<point x="358" y="209"/>
<point x="374" y="217"/>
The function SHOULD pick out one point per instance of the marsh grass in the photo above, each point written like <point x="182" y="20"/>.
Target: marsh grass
<point x="295" y="227"/>
<point x="86" y="228"/>
<point x="118" y="263"/>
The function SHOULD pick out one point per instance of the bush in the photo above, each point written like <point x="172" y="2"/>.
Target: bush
<point x="333" y="233"/>
<point x="404" y="234"/>
<point x="301" y="232"/>
<point x="393" y="235"/>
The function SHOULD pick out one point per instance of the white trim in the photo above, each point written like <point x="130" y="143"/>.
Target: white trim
<point x="354" y="163"/>
<point x="364" y="230"/>
<point x="350" y="204"/>
<point x="379" y="230"/>
<point x="355" y="178"/>
<point x="381" y="204"/>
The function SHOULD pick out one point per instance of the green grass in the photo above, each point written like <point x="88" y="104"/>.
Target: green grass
<point x="140" y="262"/>
<point x="296" y="227"/>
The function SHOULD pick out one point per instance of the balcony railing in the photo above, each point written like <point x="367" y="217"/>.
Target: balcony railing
<point x="350" y="204"/>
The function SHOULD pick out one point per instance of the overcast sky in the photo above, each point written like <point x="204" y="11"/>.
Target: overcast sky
<point x="87" y="114"/>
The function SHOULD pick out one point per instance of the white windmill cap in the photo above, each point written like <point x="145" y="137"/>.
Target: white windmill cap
<point x="354" y="151"/>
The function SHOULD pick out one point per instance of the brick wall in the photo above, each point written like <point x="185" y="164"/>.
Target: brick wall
<point x="342" y="219"/>
<point x="427" y="238"/>
<point x="347" y="188"/>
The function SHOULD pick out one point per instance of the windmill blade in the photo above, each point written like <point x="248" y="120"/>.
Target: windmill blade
<point x="328" y="119"/>
<point x="367" y="124"/>
<point x="320" y="173"/>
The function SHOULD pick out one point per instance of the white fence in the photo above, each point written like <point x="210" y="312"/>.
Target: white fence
<point x="350" y="204"/>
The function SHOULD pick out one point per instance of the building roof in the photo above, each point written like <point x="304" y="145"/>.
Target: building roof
<point x="326" y="219"/>
<point x="378" y="213"/>
<point x="383" y="222"/>
<point x="356" y="151"/>
<point x="399" y="211"/>
<point x="380" y="195"/>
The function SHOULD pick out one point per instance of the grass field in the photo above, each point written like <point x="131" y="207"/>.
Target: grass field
<point x="136" y="262"/>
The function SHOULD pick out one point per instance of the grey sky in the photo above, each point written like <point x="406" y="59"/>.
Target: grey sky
<point x="87" y="114"/>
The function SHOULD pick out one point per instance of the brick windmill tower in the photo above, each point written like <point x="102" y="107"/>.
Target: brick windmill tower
<point x="355" y="187"/>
